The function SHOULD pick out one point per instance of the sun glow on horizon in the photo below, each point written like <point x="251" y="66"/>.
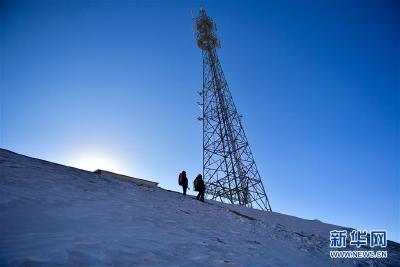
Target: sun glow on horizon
<point x="93" y="162"/>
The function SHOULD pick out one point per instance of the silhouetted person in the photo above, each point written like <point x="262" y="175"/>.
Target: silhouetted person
<point x="183" y="181"/>
<point x="200" y="187"/>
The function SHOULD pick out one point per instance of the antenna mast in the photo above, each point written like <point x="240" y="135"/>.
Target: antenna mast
<point x="229" y="170"/>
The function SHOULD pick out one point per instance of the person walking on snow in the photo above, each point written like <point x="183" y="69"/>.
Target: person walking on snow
<point x="200" y="187"/>
<point x="183" y="181"/>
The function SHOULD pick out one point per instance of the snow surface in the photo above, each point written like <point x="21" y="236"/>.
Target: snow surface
<point x="54" y="215"/>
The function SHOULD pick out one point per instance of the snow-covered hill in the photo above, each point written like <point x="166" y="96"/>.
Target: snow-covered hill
<point x="53" y="215"/>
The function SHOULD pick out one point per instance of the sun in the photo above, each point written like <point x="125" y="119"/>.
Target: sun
<point x="93" y="162"/>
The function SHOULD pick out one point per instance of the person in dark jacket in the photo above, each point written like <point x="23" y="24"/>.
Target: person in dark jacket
<point x="183" y="181"/>
<point x="200" y="187"/>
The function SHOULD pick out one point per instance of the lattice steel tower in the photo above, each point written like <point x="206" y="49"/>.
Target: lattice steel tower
<point x="229" y="170"/>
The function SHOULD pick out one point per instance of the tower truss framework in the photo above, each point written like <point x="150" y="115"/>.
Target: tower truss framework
<point x="229" y="169"/>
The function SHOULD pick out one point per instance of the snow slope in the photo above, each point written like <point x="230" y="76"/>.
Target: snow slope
<point x="54" y="215"/>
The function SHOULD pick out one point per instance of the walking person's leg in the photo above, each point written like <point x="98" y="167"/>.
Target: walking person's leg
<point x="202" y="196"/>
<point x="184" y="190"/>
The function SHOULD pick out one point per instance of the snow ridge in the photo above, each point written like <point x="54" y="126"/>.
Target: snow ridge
<point x="54" y="215"/>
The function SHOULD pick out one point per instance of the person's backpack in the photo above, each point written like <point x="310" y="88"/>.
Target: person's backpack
<point x="180" y="179"/>
<point x="196" y="184"/>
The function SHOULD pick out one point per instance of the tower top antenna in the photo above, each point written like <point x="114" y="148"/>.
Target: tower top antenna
<point x="206" y="31"/>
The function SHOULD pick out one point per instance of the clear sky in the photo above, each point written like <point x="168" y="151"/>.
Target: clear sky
<point x="113" y="85"/>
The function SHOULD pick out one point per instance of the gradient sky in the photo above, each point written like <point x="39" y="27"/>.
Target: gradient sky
<point x="112" y="85"/>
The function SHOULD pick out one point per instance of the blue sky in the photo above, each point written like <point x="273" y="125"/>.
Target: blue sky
<point x="112" y="85"/>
